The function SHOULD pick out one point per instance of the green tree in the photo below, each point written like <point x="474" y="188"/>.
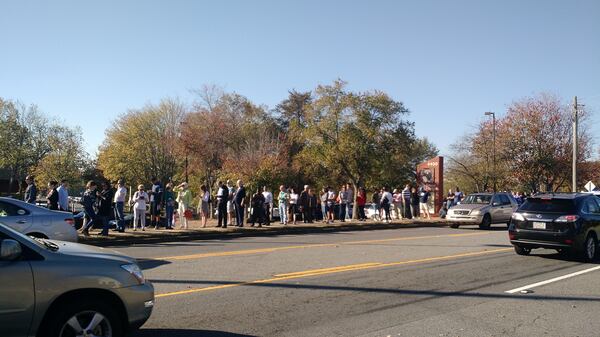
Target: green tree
<point x="143" y="143"/>
<point x="361" y="138"/>
<point x="65" y="159"/>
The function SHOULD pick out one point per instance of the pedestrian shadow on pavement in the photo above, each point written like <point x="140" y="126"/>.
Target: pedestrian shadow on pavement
<point x="146" y="264"/>
<point x="186" y="333"/>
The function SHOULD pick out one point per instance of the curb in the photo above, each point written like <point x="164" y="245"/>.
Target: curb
<point x="248" y="232"/>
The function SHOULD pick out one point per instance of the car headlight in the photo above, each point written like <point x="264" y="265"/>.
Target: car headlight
<point x="135" y="271"/>
<point x="475" y="212"/>
<point x="518" y="217"/>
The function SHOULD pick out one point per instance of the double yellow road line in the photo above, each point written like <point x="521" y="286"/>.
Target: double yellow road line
<point x="327" y="271"/>
<point x="316" y="245"/>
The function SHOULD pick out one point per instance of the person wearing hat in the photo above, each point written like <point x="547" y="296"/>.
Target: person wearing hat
<point x="140" y="198"/>
<point x="184" y="199"/>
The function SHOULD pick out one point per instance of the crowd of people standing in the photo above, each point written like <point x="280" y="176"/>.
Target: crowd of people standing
<point x="166" y="205"/>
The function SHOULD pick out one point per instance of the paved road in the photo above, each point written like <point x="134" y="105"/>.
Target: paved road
<point x="403" y="282"/>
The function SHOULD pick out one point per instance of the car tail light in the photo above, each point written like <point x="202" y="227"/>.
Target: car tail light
<point x="511" y="236"/>
<point x="70" y="222"/>
<point x="568" y="242"/>
<point x="567" y="218"/>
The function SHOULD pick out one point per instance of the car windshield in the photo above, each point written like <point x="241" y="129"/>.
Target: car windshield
<point x="548" y="205"/>
<point x="482" y="199"/>
<point x="43" y="243"/>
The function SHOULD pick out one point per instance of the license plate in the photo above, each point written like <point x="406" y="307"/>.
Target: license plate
<point x="539" y="225"/>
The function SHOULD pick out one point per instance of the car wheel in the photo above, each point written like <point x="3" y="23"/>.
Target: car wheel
<point x="86" y="318"/>
<point x="522" y="250"/>
<point x="590" y="248"/>
<point x="486" y="222"/>
<point x="454" y="225"/>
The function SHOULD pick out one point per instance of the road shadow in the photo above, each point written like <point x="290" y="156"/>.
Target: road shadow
<point x="146" y="264"/>
<point x="185" y="333"/>
<point x="493" y="228"/>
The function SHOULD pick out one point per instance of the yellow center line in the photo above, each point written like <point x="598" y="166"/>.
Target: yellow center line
<point x="316" y="245"/>
<point x="317" y="272"/>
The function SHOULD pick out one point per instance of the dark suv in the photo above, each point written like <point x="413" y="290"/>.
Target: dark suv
<point x="565" y="222"/>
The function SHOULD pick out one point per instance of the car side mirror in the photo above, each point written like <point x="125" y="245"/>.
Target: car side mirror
<point x="10" y="250"/>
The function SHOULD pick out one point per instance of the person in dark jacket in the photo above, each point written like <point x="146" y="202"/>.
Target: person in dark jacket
<point x="105" y="206"/>
<point x="304" y="203"/>
<point x="222" y="196"/>
<point x="52" y="196"/>
<point x="313" y="203"/>
<point x="414" y="202"/>
<point x="31" y="191"/>
<point x="88" y="201"/>
<point x="238" y="202"/>
<point x="258" y="209"/>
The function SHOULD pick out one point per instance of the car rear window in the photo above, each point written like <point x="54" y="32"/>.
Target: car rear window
<point x="548" y="206"/>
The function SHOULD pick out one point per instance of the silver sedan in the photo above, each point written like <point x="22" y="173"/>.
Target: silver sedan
<point x="37" y="221"/>
<point x="483" y="209"/>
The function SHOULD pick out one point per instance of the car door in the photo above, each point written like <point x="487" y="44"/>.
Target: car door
<point x="17" y="300"/>
<point x="14" y="216"/>
<point x="507" y="207"/>
<point x="496" y="209"/>
<point x="593" y="209"/>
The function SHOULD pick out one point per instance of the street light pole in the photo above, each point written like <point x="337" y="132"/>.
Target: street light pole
<point x="574" y="189"/>
<point x="489" y="113"/>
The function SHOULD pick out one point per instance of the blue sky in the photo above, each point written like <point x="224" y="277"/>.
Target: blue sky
<point x="86" y="62"/>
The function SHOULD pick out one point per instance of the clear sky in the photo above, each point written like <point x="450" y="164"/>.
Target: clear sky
<point x="86" y="62"/>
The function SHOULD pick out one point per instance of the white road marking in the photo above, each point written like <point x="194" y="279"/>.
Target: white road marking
<point x="556" y="279"/>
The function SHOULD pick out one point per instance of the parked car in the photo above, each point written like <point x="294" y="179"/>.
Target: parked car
<point x="483" y="209"/>
<point x="37" y="221"/>
<point x="59" y="289"/>
<point x="565" y="222"/>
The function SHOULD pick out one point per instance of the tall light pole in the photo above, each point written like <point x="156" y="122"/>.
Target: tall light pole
<point x="574" y="190"/>
<point x="489" y="113"/>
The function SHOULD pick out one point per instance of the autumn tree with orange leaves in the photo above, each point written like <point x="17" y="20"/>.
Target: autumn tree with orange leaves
<point x="533" y="147"/>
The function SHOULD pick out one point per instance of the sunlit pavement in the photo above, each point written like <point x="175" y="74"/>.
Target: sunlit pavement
<point x="397" y="282"/>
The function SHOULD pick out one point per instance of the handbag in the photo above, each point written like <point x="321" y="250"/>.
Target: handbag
<point x="188" y="214"/>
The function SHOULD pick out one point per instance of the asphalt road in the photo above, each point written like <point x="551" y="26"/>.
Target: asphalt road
<point x="403" y="282"/>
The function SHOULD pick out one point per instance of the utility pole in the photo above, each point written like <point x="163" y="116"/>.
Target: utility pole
<point x="575" y="106"/>
<point x="489" y="113"/>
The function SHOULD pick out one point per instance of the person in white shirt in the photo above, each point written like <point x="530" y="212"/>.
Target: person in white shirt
<point x="331" y="197"/>
<point x="293" y="205"/>
<point x="63" y="195"/>
<point x="140" y="198"/>
<point x="230" y="208"/>
<point x="119" y="200"/>
<point x="268" y="204"/>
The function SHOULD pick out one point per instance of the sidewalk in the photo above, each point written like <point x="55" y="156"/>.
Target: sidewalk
<point x="196" y="232"/>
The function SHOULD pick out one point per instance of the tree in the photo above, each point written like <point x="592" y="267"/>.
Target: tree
<point x="66" y="157"/>
<point x="535" y="142"/>
<point x="31" y="143"/>
<point x="143" y="143"/>
<point x="230" y="137"/>
<point x="533" y="147"/>
<point x="357" y="137"/>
